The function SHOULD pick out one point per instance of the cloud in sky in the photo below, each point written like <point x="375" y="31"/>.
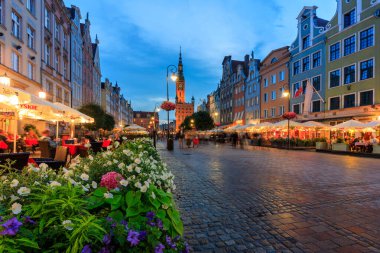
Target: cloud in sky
<point x="140" y="38"/>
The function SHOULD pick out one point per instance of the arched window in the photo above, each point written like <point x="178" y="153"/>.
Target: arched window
<point x="274" y="59"/>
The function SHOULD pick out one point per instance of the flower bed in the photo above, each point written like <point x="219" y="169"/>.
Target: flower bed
<point x="117" y="201"/>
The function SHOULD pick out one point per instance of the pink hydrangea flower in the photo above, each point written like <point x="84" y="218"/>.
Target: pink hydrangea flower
<point x="111" y="180"/>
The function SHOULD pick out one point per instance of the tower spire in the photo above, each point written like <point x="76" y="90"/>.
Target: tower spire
<point x="180" y="66"/>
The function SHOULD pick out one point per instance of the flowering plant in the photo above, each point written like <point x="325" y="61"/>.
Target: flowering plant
<point x="168" y="106"/>
<point x="289" y="115"/>
<point x="118" y="200"/>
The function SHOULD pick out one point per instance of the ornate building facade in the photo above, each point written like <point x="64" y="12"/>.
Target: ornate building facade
<point x="87" y="66"/>
<point x="182" y="109"/>
<point x="252" y="92"/>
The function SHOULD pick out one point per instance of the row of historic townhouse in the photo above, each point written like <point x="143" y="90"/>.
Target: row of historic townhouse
<point x="337" y="58"/>
<point x="45" y="47"/>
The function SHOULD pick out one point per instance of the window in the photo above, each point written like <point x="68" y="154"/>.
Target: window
<point x="273" y="79"/>
<point x="274" y="95"/>
<point x="56" y="30"/>
<point x="282" y="75"/>
<point x="281" y="110"/>
<point x="349" y="101"/>
<point x="316" y="106"/>
<point x="16" y="25"/>
<point x="47" y="19"/>
<point x="296" y="108"/>
<point x="296" y="87"/>
<point x="350" y="45"/>
<point x="30" y="70"/>
<point x="366" y="38"/>
<point x="335" y="51"/>
<point x="47" y="54"/>
<point x="305" y="42"/>
<point x="335" y="103"/>
<point x="317" y="59"/>
<point x="64" y="40"/>
<point x="265" y="82"/>
<point x="335" y="78"/>
<point x="1" y="12"/>
<point x="57" y="56"/>
<point x="265" y="113"/>
<point x="15" y="62"/>
<point x="366" y="69"/>
<point x="273" y="112"/>
<point x="30" y="32"/>
<point x="366" y="98"/>
<point x="316" y="81"/>
<point x="349" y="18"/>
<point x="349" y="74"/>
<point x="306" y="63"/>
<point x="265" y="97"/>
<point x="31" y="6"/>
<point x="296" y="68"/>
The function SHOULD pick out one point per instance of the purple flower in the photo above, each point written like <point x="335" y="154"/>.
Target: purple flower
<point x="1" y="218"/>
<point x="124" y="223"/>
<point x="159" y="248"/>
<point x="29" y="220"/>
<point x="142" y="235"/>
<point x="133" y="237"/>
<point x="150" y="215"/>
<point x="151" y="223"/>
<point x="186" y="250"/>
<point x="86" y="249"/>
<point x="11" y="227"/>
<point x="159" y="224"/>
<point x="104" y="250"/>
<point x="109" y="219"/>
<point x="177" y="238"/>
<point x="107" y="239"/>
<point x="170" y="243"/>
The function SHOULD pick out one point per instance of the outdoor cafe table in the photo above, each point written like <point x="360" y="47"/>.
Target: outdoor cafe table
<point x="31" y="142"/>
<point x="73" y="148"/>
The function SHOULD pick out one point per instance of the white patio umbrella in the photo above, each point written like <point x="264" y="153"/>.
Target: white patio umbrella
<point x="374" y="123"/>
<point x="134" y="127"/>
<point x="284" y="123"/>
<point x="233" y="128"/>
<point x="314" y="124"/>
<point x="350" y="124"/>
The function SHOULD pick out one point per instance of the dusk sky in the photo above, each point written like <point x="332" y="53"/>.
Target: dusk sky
<point x="140" y="38"/>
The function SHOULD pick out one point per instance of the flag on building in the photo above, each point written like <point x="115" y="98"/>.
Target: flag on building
<point x="308" y="97"/>
<point x="298" y="91"/>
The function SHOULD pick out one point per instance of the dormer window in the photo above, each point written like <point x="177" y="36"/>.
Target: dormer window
<point x="305" y="42"/>
<point x="350" y="18"/>
<point x="274" y="59"/>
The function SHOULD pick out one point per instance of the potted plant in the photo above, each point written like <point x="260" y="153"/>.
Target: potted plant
<point x="340" y="145"/>
<point x="320" y="143"/>
<point x="168" y="106"/>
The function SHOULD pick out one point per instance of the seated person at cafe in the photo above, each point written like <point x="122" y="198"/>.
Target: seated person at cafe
<point x="3" y="141"/>
<point x="46" y="137"/>
<point x="31" y="135"/>
<point x="88" y="136"/>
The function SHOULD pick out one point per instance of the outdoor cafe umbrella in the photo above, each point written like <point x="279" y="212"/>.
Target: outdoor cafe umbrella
<point x="374" y="123"/>
<point x="315" y="124"/>
<point x="134" y="127"/>
<point x="284" y="123"/>
<point x="350" y="124"/>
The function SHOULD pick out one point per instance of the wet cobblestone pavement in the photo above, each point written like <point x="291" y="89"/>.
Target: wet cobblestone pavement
<point x="269" y="200"/>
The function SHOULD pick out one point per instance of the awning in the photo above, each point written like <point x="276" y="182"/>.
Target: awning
<point x="70" y="114"/>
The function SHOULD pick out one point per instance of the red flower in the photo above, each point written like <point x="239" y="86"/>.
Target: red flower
<point x="168" y="106"/>
<point x="111" y="180"/>
<point x="289" y="115"/>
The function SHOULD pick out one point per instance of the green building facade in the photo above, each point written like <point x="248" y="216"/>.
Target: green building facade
<point x="352" y="56"/>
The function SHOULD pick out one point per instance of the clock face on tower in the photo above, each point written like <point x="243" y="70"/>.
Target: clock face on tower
<point x="180" y="86"/>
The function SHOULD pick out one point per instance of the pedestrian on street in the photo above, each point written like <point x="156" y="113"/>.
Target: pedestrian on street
<point x="180" y="139"/>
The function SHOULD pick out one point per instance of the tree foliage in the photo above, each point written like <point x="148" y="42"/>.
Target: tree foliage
<point x="101" y="118"/>
<point x="202" y="121"/>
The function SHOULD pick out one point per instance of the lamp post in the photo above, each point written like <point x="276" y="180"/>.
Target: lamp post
<point x="156" y="110"/>
<point x="173" y="70"/>
<point x="287" y="94"/>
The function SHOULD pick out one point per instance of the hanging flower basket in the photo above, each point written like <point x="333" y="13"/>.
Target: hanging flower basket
<point x="168" y="106"/>
<point x="289" y="115"/>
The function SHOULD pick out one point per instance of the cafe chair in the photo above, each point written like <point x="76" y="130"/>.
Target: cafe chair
<point x="21" y="159"/>
<point x="60" y="158"/>
<point x="46" y="151"/>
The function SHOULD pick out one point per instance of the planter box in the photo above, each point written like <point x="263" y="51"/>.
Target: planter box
<point x="376" y="149"/>
<point x="321" y="145"/>
<point x="340" y="147"/>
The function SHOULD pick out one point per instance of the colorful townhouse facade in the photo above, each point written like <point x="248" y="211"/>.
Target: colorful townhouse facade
<point x="238" y="82"/>
<point x="252" y="92"/>
<point x="307" y="64"/>
<point x="353" y="50"/>
<point x="274" y="82"/>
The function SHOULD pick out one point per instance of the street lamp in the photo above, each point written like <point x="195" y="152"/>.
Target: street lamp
<point x="42" y="95"/>
<point x="5" y="80"/>
<point x="156" y="110"/>
<point x="287" y="94"/>
<point x="173" y="76"/>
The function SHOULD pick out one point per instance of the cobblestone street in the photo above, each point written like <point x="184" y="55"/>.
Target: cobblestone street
<point x="269" y="200"/>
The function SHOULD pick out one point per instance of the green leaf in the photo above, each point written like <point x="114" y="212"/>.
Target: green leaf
<point x="132" y="198"/>
<point x="100" y="192"/>
<point x="27" y="243"/>
<point x="133" y="211"/>
<point x="116" y="215"/>
<point x="95" y="202"/>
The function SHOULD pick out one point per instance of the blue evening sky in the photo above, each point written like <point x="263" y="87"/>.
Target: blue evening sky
<point x="140" y="38"/>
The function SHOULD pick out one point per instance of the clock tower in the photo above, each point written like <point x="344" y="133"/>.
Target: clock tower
<point x="182" y="109"/>
<point x="180" y="83"/>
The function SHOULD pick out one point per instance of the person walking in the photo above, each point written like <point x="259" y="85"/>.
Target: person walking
<point x="180" y="139"/>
